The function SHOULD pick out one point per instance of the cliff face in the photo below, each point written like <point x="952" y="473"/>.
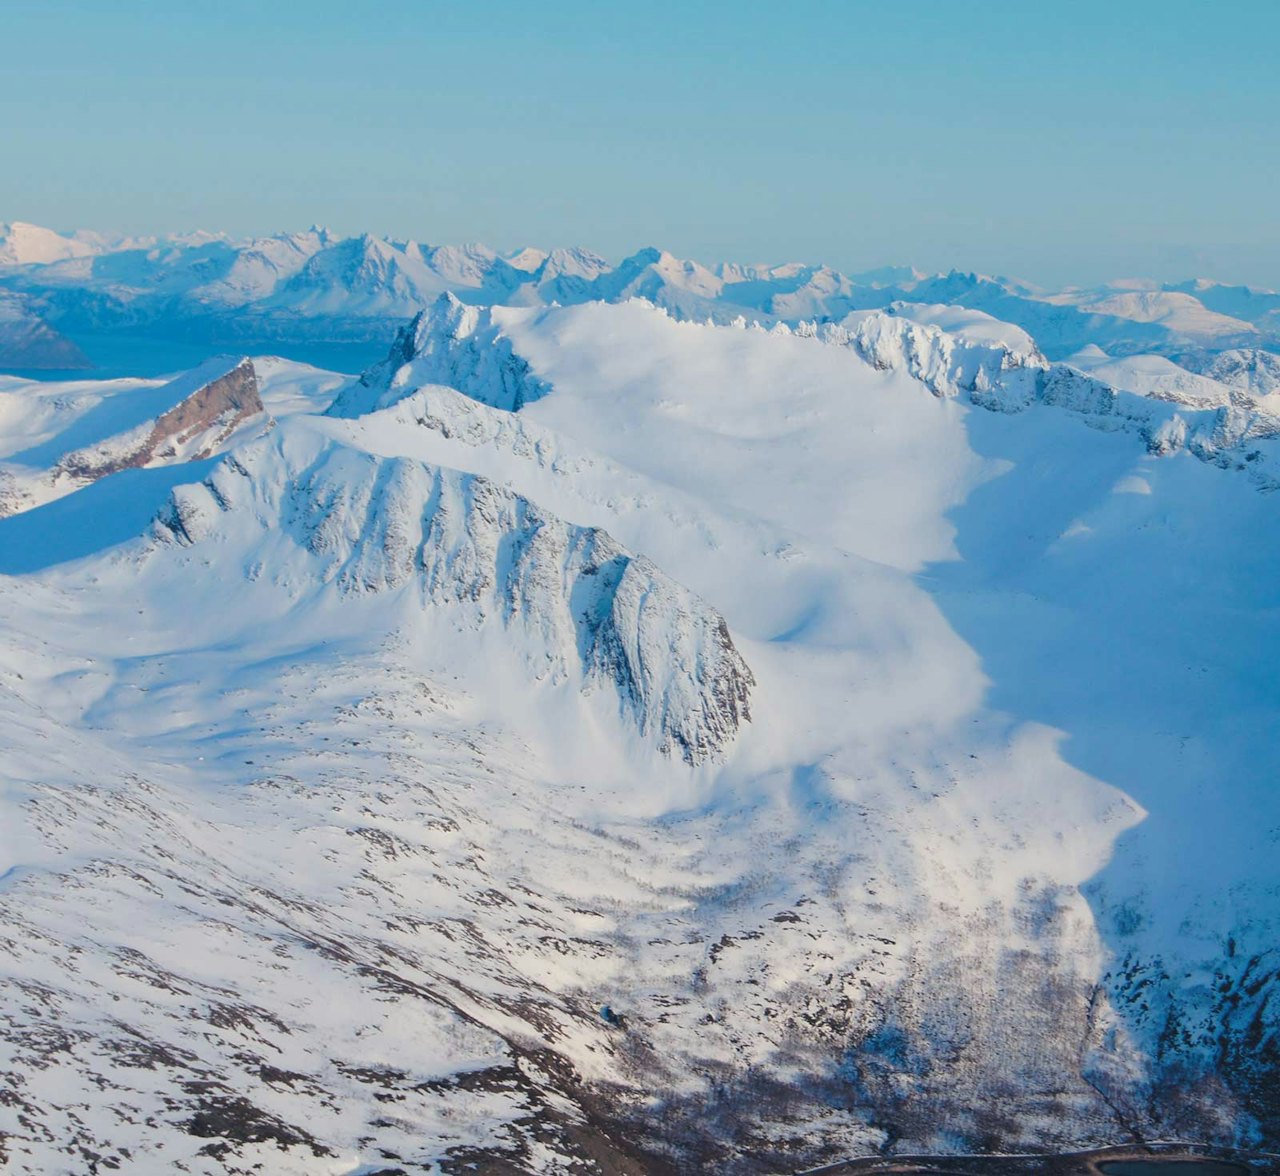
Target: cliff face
<point x="85" y="436"/>
<point x="192" y="429"/>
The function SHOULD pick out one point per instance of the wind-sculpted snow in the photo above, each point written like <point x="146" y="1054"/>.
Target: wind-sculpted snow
<point x="594" y="612"/>
<point x="461" y="346"/>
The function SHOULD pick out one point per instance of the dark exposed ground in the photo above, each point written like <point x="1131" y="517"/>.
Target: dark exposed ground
<point x="1189" y="1159"/>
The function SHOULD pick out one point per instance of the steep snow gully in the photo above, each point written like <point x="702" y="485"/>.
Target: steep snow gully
<point x="594" y="740"/>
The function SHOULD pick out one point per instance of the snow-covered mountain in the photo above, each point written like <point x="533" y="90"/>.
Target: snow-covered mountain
<point x="1259" y="307"/>
<point x="596" y="613"/>
<point x="600" y="739"/>
<point x="1250" y="372"/>
<point x="25" y="244"/>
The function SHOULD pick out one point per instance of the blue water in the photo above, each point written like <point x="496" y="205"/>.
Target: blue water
<point x="117" y="355"/>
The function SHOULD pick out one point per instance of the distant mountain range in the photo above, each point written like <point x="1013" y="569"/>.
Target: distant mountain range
<point x="209" y="287"/>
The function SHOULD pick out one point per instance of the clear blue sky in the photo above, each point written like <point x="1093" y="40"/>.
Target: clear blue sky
<point x="1056" y="139"/>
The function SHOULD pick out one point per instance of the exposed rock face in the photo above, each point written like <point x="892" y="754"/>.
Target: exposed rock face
<point x="601" y="614"/>
<point x="194" y="428"/>
<point x="14" y="496"/>
<point x="461" y="346"/>
<point x="670" y="657"/>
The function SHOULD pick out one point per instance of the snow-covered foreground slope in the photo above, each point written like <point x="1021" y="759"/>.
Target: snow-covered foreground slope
<point x="600" y="742"/>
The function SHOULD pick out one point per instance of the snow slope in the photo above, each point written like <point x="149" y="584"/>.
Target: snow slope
<point x="1181" y="313"/>
<point x="1154" y="376"/>
<point x="597" y="740"/>
<point x="26" y="244"/>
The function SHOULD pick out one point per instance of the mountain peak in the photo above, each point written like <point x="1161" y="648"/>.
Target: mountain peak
<point x="22" y="243"/>
<point x="450" y="343"/>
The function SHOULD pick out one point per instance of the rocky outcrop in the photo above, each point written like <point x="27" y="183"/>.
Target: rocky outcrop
<point x="192" y="429"/>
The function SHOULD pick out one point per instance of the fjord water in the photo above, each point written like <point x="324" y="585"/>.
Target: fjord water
<point x="117" y="355"/>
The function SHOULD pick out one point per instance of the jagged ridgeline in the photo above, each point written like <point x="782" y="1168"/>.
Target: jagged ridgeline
<point x="454" y="345"/>
<point x="601" y="615"/>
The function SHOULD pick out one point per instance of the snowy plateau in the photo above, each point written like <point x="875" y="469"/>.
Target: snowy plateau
<point x="649" y="719"/>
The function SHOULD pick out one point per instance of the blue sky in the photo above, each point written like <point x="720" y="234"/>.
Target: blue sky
<point x="1056" y="140"/>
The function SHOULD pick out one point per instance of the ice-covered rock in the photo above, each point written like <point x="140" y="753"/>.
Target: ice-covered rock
<point x="463" y="347"/>
<point x="1001" y="378"/>
<point x="945" y="363"/>
<point x="1250" y="373"/>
